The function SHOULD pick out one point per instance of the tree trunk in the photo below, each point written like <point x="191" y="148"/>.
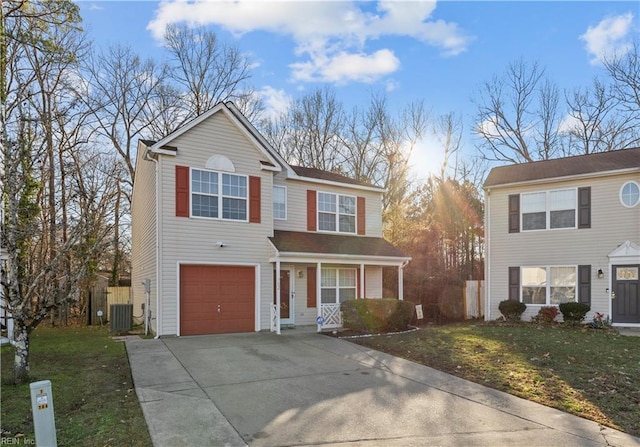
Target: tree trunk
<point x="21" y="359"/>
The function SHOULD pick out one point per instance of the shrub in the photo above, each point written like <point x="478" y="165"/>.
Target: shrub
<point x="376" y="315"/>
<point x="546" y="314"/>
<point x="512" y="310"/>
<point x="574" y="312"/>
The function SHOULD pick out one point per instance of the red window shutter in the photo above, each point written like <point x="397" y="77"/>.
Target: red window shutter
<point x="311" y="210"/>
<point x="254" y="199"/>
<point x="311" y="286"/>
<point x="361" y="224"/>
<point x="182" y="191"/>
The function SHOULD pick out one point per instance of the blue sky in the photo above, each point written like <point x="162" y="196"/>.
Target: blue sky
<point x="439" y="52"/>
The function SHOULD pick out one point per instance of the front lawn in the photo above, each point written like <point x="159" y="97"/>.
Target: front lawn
<point x="591" y="373"/>
<point x="94" y="400"/>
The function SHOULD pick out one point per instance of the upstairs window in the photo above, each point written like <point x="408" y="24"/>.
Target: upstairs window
<point x="548" y="210"/>
<point x="280" y="202"/>
<point x="336" y="213"/>
<point x="218" y="195"/>
<point x="630" y="194"/>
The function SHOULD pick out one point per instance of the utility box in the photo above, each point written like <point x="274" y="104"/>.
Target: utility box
<point x="44" y="424"/>
<point x="121" y="317"/>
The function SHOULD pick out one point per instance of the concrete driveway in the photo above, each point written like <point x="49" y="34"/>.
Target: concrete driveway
<point x="310" y="389"/>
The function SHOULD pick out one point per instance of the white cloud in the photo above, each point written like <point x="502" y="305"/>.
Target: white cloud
<point x="275" y="101"/>
<point x="608" y="38"/>
<point x="331" y="35"/>
<point x="568" y="124"/>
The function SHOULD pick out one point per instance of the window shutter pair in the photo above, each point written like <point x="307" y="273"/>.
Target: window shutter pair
<point x="182" y="195"/>
<point x="312" y="213"/>
<point x="583" y="284"/>
<point x="583" y="210"/>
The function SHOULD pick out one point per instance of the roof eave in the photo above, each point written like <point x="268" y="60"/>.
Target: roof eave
<point x="564" y="178"/>
<point x="343" y="258"/>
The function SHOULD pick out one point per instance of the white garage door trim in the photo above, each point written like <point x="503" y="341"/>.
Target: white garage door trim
<point x="256" y="300"/>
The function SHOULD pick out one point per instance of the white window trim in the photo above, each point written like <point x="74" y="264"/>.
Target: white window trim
<point x="286" y="208"/>
<point x="337" y="213"/>
<point x="219" y="195"/>
<point x="620" y="194"/>
<point x="548" y="285"/>
<point x="548" y="210"/>
<point x="337" y="286"/>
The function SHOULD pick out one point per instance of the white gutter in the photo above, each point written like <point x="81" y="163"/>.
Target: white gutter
<point x="487" y="257"/>
<point x="158" y="246"/>
<point x="567" y="178"/>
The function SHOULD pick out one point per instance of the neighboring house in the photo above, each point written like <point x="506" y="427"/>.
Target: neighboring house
<point x="233" y="239"/>
<point x="566" y="230"/>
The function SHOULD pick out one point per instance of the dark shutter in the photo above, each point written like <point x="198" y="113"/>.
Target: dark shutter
<point x="584" y="207"/>
<point x="311" y="210"/>
<point x="514" y="283"/>
<point x="254" y="199"/>
<point x="584" y="284"/>
<point x="514" y="213"/>
<point x="311" y="286"/>
<point x="182" y="191"/>
<point x="361" y="222"/>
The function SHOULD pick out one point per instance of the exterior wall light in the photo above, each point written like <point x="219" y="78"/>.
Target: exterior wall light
<point x="600" y="274"/>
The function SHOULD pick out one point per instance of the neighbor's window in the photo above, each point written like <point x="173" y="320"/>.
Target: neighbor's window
<point x="279" y="202"/>
<point x="548" y="285"/>
<point x="218" y="195"/>
<point x="630" y="194"/>
<point x="549" y="210"/>
<point x="337" y="285"/>
<point x="336" y="213"/>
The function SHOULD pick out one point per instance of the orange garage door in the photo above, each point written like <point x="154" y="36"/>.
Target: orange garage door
<point x="216" y="299"/>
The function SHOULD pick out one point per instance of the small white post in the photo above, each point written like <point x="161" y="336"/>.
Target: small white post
<point x="44" y="424"/>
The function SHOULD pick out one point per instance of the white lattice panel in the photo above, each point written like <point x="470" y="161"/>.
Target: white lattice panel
<point x="331" y="315"/>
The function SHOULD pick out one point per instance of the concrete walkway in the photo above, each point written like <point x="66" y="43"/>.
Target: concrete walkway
<point x="310" y="389"/>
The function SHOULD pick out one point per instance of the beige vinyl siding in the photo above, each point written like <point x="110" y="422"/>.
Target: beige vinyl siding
<point x="373" y="282"/>
<point x="611" y="225"/>
<point x="143" y="235"/>
<point x="193" y="240"/>
<point x="297" y="204"/>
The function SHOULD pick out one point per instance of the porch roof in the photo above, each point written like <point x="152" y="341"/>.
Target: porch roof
<point x="332" y="244"/>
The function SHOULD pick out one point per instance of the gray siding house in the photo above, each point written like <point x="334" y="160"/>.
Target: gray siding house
<point x="228" y="237"/>
<point x="566" y="230"/>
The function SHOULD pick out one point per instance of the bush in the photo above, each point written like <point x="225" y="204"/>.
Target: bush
<point x="574" y="312"/>
<point x="546" y="314"/>
<point x="376" y="315"/>
<point x="512" y="310"/>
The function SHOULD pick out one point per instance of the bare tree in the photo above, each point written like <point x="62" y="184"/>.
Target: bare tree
<point x="208" y="71"/>
<point x="46" y="236"/>
<point x="510" y="109"/>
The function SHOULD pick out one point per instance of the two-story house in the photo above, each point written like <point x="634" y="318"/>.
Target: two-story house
<point x="566" y="229"/>
<point x="228" y="237"/>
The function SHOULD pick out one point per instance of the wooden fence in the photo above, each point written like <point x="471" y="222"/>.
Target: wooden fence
<point x="473" y="302"/>
<point x="103" y="297"/>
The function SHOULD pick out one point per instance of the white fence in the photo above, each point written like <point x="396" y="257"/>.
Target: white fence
<point x="473" y="299"/>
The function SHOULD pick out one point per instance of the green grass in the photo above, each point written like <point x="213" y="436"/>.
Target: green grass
<point x="95" y="403"/>
<point x="594" y="374"/>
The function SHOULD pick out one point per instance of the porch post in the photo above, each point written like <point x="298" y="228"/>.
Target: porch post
<point x="400" y="282"/>
<point x="318" y="296"/>
<point x="278" y="297"/>
<point x="362" y="291"/>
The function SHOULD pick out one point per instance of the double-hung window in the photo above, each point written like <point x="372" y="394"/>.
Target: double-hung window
<point x="548" y="285"/>
<point x="280" y="202"/>
<point x="549" y="210"/>
<point x="337" y="285"/>
<point x="336" y="213"/>
<point x="218" y="195"/>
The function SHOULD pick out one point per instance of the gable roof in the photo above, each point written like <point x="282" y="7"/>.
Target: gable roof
<point x="272" y="161"/>
<point x="620" y="160"/>
<point x="333" y="244"/>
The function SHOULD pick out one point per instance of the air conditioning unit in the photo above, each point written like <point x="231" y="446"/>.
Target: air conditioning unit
<point x="121" y="317"/>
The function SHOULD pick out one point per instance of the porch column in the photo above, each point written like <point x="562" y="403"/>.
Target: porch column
<point x="400" y="282"/>
<point x="362" y="291"/>
<point x="278" y="297"/>
<point x="318" y="296"/>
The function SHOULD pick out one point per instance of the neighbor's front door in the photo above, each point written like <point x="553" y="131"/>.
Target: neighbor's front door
<point x="286" y="308"/>
<point x="625" y="303"/>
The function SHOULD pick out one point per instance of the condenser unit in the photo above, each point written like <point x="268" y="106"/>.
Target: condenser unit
<point x="121" y="317"/>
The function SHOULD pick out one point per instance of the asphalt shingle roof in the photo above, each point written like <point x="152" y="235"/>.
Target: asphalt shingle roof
<point x="326" y="175"/>
<point x="322" y="243"/>
<point x="562" y="167"/>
